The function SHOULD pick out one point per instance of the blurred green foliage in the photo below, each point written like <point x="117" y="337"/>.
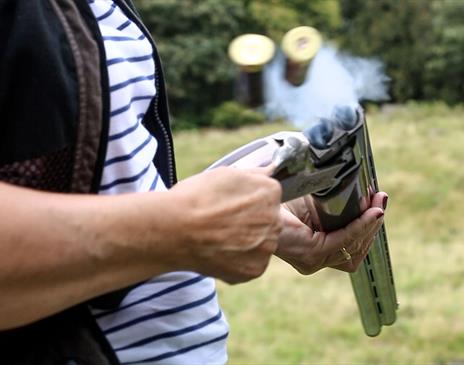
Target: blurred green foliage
<point x="397" y="32"/>
<point x="420" y="41"/>
<point x="445" y="63"/>
<point x="276" y="17"/>
<point x="192" y="37"/>
<point x="231" y="115"/>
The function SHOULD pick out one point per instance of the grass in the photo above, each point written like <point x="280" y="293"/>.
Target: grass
<point x="286" y="318"/>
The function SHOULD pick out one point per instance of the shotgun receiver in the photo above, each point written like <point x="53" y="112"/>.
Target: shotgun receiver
<point x="332" y="162"/>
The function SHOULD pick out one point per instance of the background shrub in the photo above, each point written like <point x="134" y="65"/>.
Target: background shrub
<point x="231" y="115"/>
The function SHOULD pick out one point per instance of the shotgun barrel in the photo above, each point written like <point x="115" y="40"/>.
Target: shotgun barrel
<point x="333" y="164"/>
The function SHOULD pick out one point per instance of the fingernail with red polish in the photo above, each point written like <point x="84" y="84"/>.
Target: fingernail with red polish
<point x="380" y="215"/>
<point x="385" y="201"/>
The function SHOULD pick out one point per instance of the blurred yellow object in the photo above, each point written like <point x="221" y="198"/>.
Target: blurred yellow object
<point x="301" y="44"/>
<point x="251" y="51"/>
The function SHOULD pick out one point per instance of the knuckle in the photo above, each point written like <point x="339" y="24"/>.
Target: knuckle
<point x="231" y="281"/>
<point x="277" y="189"/>
<point x="273" y="189"/>
<point x="275" y="185"/>
<point x="269" y="247"/>
<point x="304" y="271"/>
<point x="250" y="271"/>
<point x="253" y="274"/>
<point x="258" y="270"/>
<point x="352" y="268"/>
<point x="279" y="225"/>
<point x="238" y="278"/>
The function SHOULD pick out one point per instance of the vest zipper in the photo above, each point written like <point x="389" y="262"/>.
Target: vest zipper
<point x="169" y="147"/>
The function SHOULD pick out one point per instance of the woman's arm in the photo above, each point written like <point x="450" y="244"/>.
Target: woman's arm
<point x="57" y="250"/>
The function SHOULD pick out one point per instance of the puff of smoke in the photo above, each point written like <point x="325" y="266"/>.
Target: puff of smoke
<point x="333" y="78"/>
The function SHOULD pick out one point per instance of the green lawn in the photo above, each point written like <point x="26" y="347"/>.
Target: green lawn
<point x="286" y="318"/>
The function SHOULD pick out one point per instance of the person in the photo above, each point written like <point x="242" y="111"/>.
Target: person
<point x="104" y="257"/>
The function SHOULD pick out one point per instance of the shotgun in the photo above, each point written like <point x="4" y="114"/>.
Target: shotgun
<point x="332" y="163"/>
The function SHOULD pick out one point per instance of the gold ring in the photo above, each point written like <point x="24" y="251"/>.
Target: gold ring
<point x="345" y="253"/>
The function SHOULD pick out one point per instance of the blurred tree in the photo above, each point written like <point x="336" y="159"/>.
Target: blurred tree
<point x="420" y="41"/>
<point x="283" y="15"/>
<point x="398" y="32"/>
<point x="444" y="71"/>
<point x="193" y="37"/>
<point x="325" y="15"/>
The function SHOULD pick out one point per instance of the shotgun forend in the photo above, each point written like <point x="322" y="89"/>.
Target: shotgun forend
<point x="332" y="162"/>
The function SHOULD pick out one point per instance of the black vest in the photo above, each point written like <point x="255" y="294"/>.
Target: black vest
<point x="54" y="118"/>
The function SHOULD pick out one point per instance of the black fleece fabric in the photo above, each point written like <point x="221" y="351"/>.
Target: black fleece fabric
<point x="39" y="114"/>
<point x="38" y="104"/>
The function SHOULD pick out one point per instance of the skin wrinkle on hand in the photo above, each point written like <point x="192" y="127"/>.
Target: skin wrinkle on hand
<point x="252" y="245"/>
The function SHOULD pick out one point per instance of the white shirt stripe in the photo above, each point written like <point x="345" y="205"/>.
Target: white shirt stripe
<point x="174" y="318"/>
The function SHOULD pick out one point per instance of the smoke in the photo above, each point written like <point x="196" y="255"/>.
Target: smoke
<point x="333" y="78"/>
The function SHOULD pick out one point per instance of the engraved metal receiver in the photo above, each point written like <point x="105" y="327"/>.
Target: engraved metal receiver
<point x="332" y="162"/>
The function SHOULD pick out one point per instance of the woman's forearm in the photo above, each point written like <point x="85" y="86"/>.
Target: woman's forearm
<point x="57" y="250"/>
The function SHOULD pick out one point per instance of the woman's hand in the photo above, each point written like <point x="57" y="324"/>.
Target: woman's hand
<point x="308" y="251"/>
<point x="228" y="222"/>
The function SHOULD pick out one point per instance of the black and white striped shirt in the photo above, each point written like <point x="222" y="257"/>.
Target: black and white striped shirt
<point x="174" y="318"/>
